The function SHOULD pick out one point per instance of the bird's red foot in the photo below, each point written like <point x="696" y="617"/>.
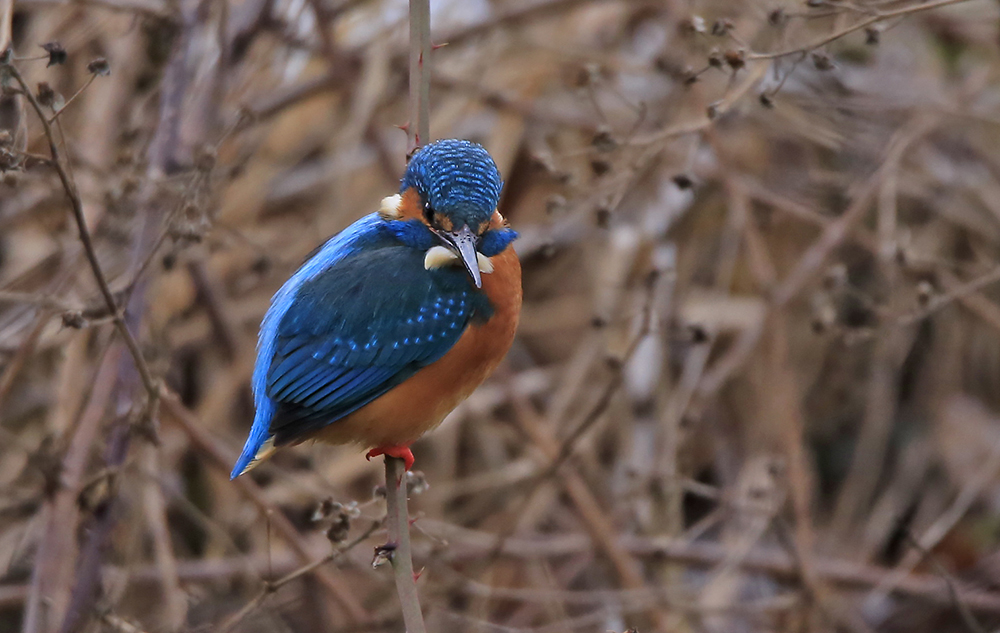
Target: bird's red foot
<point x="401" y="452"/>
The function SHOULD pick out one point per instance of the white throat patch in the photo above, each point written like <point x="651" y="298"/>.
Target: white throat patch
<point x="440" y="256"/>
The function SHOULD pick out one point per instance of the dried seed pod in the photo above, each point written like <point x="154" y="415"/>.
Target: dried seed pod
<point x="722" y="27"/>
<point x="46" y="95"/>
<point x="821" y="61"/>
<point x="57" y="54"/>
<point x="99" y="66"/>
<point x="683" y="181"/>
<point x="736" y="59"/>
<point x="340" y="528"/>
<point x="603" y="141"/>
<point x="416" y="483"/>
<point x="74" y="319"/>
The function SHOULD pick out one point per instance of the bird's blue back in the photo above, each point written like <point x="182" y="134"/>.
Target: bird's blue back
<point x="357" y="319"/>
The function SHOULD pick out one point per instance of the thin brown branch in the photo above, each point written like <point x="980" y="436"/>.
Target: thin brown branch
<point x="398" y="549"/>
<point x="76" y="94"/>
<point x="418" y="128"/>
<point x="6" y="19"/>
<point x="847" y="30"/>
<point x="76" y="205"/>
<point x="221" y="461"/>
<point x="271" y="587"/>
<point x="600" y="528"/>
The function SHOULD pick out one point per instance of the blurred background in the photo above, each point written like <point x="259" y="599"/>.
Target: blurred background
<point x="756" y="385"/>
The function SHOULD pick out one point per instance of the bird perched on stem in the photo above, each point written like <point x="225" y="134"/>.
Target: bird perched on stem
<point x="396" y="319"/>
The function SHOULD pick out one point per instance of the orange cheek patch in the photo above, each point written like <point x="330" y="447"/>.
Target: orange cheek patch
<point x="497" y="221"/>
<point x="410" y="206"/>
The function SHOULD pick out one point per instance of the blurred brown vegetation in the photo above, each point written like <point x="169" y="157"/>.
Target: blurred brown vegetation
<point x="756" y="385"/>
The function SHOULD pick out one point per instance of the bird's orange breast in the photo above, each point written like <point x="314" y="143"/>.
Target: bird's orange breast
<point x="420" y="403"/>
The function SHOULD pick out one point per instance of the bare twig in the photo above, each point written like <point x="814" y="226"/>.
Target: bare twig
<point x="964" y="612"/>
<point x="76" y="205"/>
<point x="418" y="128"/>
<point x="880" y="16"/>
<point x="397" y="521"/>
<point x="76" y="94"/>
<point x="6" y="18"/>
<point x="271" y="587"/>
<point x="49" y="597"/>
<point x="282" y="525"/>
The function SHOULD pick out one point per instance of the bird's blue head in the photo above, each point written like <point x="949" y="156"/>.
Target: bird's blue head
<point x="457" y="181"/>
<point x="451" y="187"/>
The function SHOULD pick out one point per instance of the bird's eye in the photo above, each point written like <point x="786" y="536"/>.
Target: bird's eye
<point x="429" y="214"/>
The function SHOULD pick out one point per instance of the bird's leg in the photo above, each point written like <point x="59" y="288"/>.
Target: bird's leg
<point x="401" y="452"/>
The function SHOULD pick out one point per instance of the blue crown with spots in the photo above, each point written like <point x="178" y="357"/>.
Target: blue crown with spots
<point x="456" y="178"/>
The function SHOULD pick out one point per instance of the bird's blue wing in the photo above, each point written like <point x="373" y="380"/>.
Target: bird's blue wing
<point x="360" y="328"/>
<point x="351" y="332"/>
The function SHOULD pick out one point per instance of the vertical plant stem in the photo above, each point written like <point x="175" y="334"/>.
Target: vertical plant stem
<point x="418" y="129"/>
<point x="6" y="20"/>
<point x="397" y="516"/>
<point x="398" y="524"/>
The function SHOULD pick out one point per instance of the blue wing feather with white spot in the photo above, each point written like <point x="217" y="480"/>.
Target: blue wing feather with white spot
<point x="348" y="328"/>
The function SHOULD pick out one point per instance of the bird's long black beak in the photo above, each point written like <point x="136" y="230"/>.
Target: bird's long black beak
<point x="464" y="242"/>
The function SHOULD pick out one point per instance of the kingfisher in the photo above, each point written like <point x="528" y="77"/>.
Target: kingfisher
<point x="396" y="319"/>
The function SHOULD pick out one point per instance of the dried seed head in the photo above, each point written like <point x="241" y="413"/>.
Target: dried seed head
<point x="603" y="141"/>
<point x="46" y="95"/>
<point x="74" y="319"/>
<point x="736" y="59"/>
<point x="340" y="528"/>
<point x="383" y="555"/>
<point x="324" y="508"/>
<point x="822" y="61"/>
<point x="693" y="24"/>
<point x="722" y="27"/>
<point x="99" y="66"/>
<point x="57" y="54"/>
<point x="683" y="181"/>
<point x="715" y="59"/>
<point x="416" y="483"/>
<point x="600" y="166"/>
